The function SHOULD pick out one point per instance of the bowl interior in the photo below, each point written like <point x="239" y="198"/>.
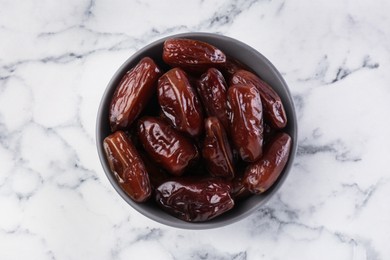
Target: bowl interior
<point x="246" y="55"/>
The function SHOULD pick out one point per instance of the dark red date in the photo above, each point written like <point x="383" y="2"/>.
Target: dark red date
<point x="132" y="94"/>
<point x="166" y="146"/>
<point x="179" y="102"/>
<point x="261" y="175"/>
<point x="192" y="55"/>
<point x="212" y="91"/>
<point x="195" y="200"/>
<point x="246" y="121"/>
<point x="216" y="150"/>
<point x="274" y="111"/>
<point x="127" y="166"/>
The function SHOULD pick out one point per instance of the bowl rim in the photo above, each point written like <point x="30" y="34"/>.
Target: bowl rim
<point x="180" y="223"/>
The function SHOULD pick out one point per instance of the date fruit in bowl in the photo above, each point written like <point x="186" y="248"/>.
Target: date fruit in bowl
<point x="196" y="130"/>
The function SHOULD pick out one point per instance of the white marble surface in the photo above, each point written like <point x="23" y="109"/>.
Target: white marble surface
<point x="56" y="58"/>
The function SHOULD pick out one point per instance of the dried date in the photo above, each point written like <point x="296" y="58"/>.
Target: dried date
<point x="195" y="200"/>
<point x="192" y="55"/>
<point x="166" y="146"/>
<point x="212" y="90"/>
<point x="274" y="111"/>
<point x="246" y="121"/>
<point x="127" y="166"/>
<point x="179" y="102"/>
<point x="261" y="175"/>
<point x="132" y="94"/>
<point x="216" y="150"/>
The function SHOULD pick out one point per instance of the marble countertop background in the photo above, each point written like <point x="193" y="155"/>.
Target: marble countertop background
<point x="56" y="58"/>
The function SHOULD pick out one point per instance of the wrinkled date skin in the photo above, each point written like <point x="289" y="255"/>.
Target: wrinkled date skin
<point x="216" y="150"/>
<point x="246" y="121"/>
<point x="132" y="94"/>
<point x="261" y="175"/>
<point x="212" y="90"/>
<point x="166" y="146"/>
<point x="274" y="111"/>
<point x="192" y="55"/>
<point x="128" y="166"/>
<point x="179" y="102"/>
<point x="195" y="200"/>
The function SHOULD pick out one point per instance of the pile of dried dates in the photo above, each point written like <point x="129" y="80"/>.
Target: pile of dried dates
<point x="199" y="137"/>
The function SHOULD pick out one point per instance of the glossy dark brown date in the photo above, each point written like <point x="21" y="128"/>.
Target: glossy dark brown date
<point x="274" y="111"/>
<point x="195" y="200"/>
<point x="165" y="145"/>
<point x="128" y="166"/>
<point x="179" y="102"/>
<point x="192" y="55"/>
<point x="216" y="150"/>
<point x="212" y="90"/>
<point x="246" y="121"/>
<point x="132" y="94"/>
<point x="261" y="175"/>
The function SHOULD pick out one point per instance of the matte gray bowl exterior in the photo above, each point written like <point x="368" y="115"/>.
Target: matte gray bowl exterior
<point x="248" y="56"/>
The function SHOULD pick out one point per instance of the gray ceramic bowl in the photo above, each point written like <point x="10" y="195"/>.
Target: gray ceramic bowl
<point x="248" y="56"/>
